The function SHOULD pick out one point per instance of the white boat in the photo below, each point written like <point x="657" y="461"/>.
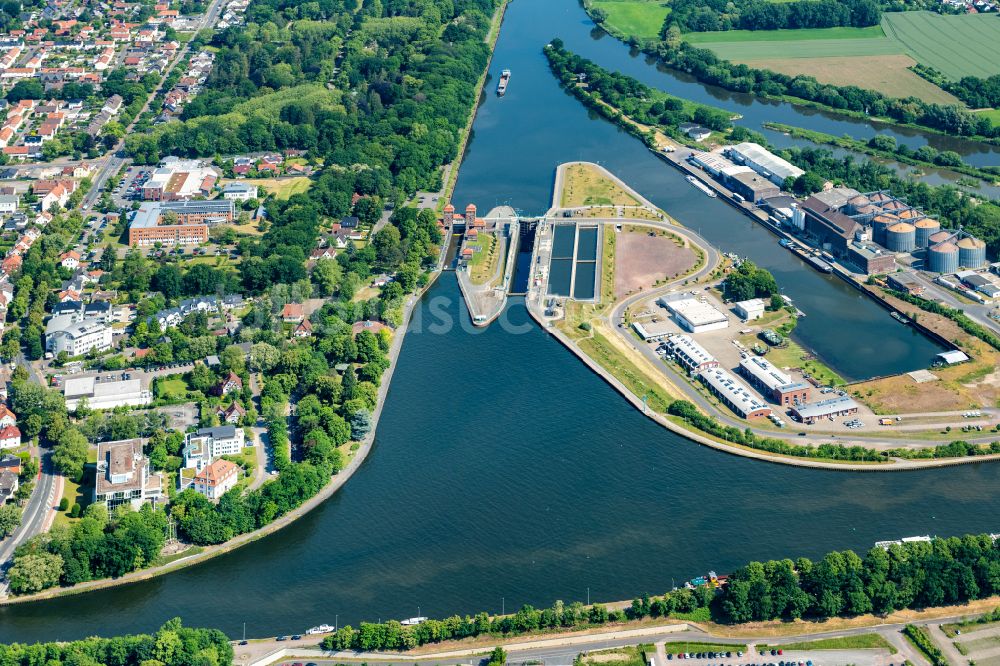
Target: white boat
<point x="321" y="629"/>
<point x="412" y="621"/>
<point x="702" y="186"/>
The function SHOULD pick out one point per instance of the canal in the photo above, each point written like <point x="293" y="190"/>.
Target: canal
<point x="504" y="471"/>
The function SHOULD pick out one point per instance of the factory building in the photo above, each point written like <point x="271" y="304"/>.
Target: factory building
<point x="751" y="309"/>
<point x="696" y="316"/>
<point x="824" y="409"/>
<point x="752" y="187"/>
<point x="832" y="228"/>
<point x="906" y="283"/>
<point x="764" y="162"/>
<point x="870" y="258"/>
<point x="772" y="382"/>
<point x="690" y="355"/>
<point x="734" y="394"/>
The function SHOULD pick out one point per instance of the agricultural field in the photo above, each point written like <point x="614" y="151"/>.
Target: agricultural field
<point x="865" y="57"/>
<point x="641" y="18"/>
<point x="804" y="34"/>
<point x="889" y="74"/>
<point x="956" y="46"/>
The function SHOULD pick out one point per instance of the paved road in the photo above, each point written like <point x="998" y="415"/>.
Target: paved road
<point x="34" y="515"/>
<point x="563" y="649"/>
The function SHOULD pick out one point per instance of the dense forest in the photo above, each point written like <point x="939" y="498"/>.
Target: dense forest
<point x="710" y="15"/>
<point x="172" y="645"/>
<point x="911" y="575"/>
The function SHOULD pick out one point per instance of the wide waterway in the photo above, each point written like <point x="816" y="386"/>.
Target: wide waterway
<point x="504" y="470"/>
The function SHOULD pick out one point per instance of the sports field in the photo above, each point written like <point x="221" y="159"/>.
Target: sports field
<point x="641" y="18"/>
<point x="956" y="46"/>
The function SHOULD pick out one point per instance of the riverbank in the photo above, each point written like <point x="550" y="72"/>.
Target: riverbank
<point x="335" y="483"/>
<point x="649" y="47"/>
<point x="856" y="145"/>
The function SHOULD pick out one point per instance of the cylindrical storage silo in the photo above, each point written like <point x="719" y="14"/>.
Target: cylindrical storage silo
<point x="901" y="237"/>
<point x="879" y="226"/>
<point x="971" y="252"/>
<point x="925" y="228"/>
<point x="858" y="202"/>
<point x="940" y="236"/>
<point x="943" y="257"/>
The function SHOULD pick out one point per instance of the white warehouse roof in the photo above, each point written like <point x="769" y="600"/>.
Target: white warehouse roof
<point x="765" y="159"/>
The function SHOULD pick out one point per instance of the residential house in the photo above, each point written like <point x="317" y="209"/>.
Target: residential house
<point x="303" y="330"/>
<point x="10" y="437"/>
<point x="7" y="417"/>
<point x="216" y="478"/>
<point x="229" y="384"/>
<point x="10" y="463"/>
<point x="292" y="313"/>
<point x="8" y="486"/>
<point x="232" y="414"/>
<point x="70" y="260"/>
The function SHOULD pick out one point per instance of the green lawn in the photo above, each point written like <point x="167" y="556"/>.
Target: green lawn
<point x="171" y="388"/>
<point x="641" y="18"/>
<point x="992" y="114"/>
<point x="859" y="642"/>
<point x="804" y="34"/>
<point x="957" y="46"/>
<point x="675" y="648"/>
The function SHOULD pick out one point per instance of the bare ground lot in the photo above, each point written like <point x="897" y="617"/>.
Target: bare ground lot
<point x="888" y="74"/>
<point x="643" y="260"/>
<point x="970" y="385"/>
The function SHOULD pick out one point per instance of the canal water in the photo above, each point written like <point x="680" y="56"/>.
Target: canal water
<point x="505" y="472"/>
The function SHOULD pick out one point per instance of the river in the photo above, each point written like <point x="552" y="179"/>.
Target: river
<point x="505" y="472"/>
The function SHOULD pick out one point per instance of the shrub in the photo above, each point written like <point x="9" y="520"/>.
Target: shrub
<point x="75" y="511"/>
<point x="63" y="504"/>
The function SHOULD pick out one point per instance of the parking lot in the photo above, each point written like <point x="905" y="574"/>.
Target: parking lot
<point x="129" y="189"/>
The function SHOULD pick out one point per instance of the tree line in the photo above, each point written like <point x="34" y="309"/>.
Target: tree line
<point x="712" y="15"/>
<point x="172" y="645"/>
<point x="910" y="575"/>
<point x="392" y="635"/>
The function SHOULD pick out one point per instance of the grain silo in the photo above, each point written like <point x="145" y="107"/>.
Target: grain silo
<point x="925" y="229"/>
<point x="940" y="236"/>
<point x="901" y="237"/>
<point x="943" y="257"/>
<point x="879" y="226"/>
<point x="858" y="202"/>
<point x="971" y="252"/>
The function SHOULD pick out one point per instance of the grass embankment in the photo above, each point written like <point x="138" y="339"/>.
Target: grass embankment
<point x="859" y="642"/>
<point x="587" y="185"/>
<point x="677" y="648"/>
<point x="484" y="263"/>
<point x="849" y="143"/>
<point x="639" y="382"/>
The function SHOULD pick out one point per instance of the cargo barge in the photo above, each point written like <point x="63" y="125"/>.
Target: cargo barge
<point x="502" y="84"/>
